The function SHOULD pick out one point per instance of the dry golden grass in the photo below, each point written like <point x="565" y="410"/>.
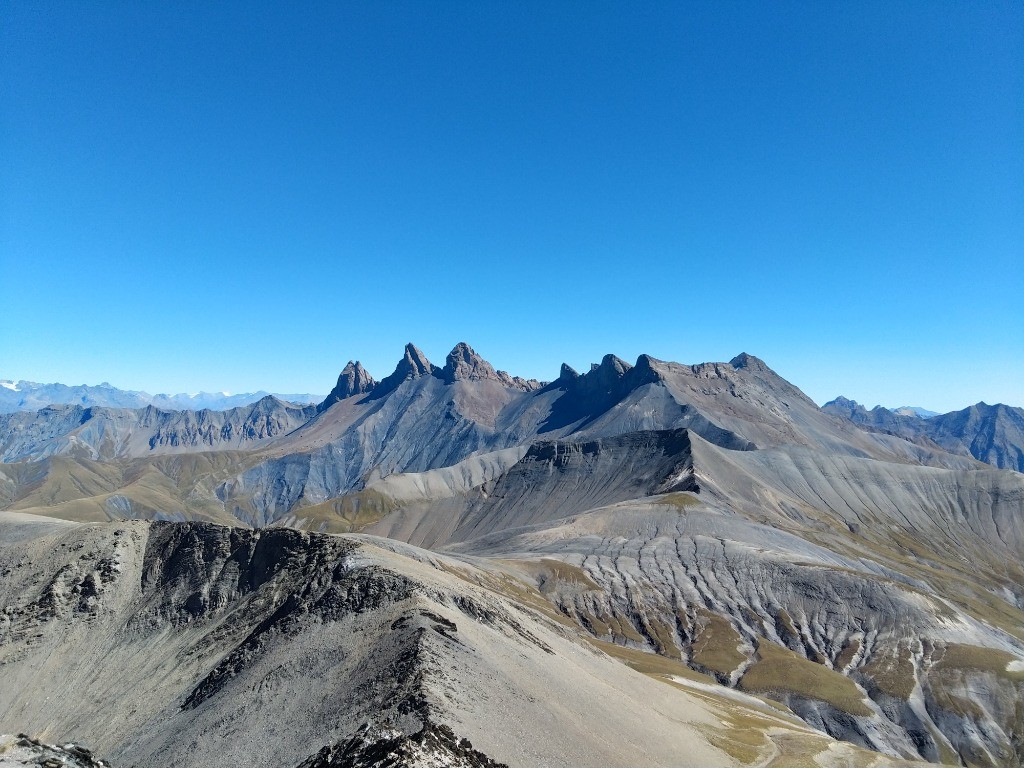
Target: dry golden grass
<point x="849" y="652"/>
<point x="992" y="660"/>
<point x="892" y="671"/>
<point x="780" y="671"/>
<point x="677" y="499"/>
<point x="346" y="514"/>
<point x="716" y="646"/>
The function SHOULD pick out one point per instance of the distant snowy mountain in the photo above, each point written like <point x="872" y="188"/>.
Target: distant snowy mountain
<point x="31" y="396"/>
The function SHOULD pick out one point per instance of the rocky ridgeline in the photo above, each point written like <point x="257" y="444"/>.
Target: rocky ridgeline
<point x="433" y="745"/>
<point x="462" y="364"/>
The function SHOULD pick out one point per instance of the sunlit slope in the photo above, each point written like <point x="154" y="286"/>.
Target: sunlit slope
<point x="176" y="487"/>
<point x="868" y="595"/>
<point x="191" y="645"/>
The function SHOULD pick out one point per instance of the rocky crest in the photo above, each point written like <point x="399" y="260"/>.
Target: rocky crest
<point x="464" y="364"/>
<point x="413" y="365"/>
<point x="376" y="748"/>
<point x="115" y="433"/>
<point x="354" y="380"/>
<point x="223" y="646"/>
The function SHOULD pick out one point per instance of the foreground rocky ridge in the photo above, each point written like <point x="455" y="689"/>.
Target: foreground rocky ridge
<point x="189" y="644"/>
<point x="23" y="750"/>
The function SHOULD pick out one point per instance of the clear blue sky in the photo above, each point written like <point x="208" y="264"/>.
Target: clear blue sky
<point x="244" y="196"/>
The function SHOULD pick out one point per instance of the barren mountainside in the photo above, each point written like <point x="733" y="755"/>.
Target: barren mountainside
<point x="645" y="564"/>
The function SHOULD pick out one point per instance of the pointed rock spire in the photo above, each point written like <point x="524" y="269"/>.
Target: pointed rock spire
<point x="647" y="370"/>
<point x="743" y="360"/>
<point x="464" y="364"/>
<point x="567" y="376"/>
<point x="354" y="380"/>
<point x="615" y="364"/>
<point x="413" y="365"/>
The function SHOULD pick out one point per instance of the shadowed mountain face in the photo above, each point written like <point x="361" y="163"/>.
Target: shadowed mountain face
<point x="708" y="524"/>
<point x="990" y="433"/>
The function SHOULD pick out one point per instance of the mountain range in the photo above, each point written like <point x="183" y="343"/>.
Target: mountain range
<point x="990" y="433"/>
<point x="648" y="563"/>
<point x="30" y="396"/>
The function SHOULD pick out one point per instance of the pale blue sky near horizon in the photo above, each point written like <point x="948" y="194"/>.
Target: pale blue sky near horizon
<point x="244" y="196"/>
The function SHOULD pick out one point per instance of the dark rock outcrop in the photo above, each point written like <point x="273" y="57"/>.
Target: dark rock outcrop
<point x="24" y="750"/>
<point x="375" y="748"/>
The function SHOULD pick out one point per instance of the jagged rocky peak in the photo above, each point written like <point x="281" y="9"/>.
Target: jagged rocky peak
<point x="842" y="402"/>
<point x="611" y="375"/>
<point x="603" y="378"/>
<point x="354" y="380"/>
<point x="755" y="369"/>
<point x="647" y="370"/>
<point x="464" y="364"/>
<point x="518" y="382"/>
<point x="611" y="368"/>
<point x="844" y="406"/>
<point x="743" y="360"/>
<point x="414" y="364"/>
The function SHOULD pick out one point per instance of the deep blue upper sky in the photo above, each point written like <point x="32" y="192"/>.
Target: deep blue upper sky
<point x="242" y="196"/>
